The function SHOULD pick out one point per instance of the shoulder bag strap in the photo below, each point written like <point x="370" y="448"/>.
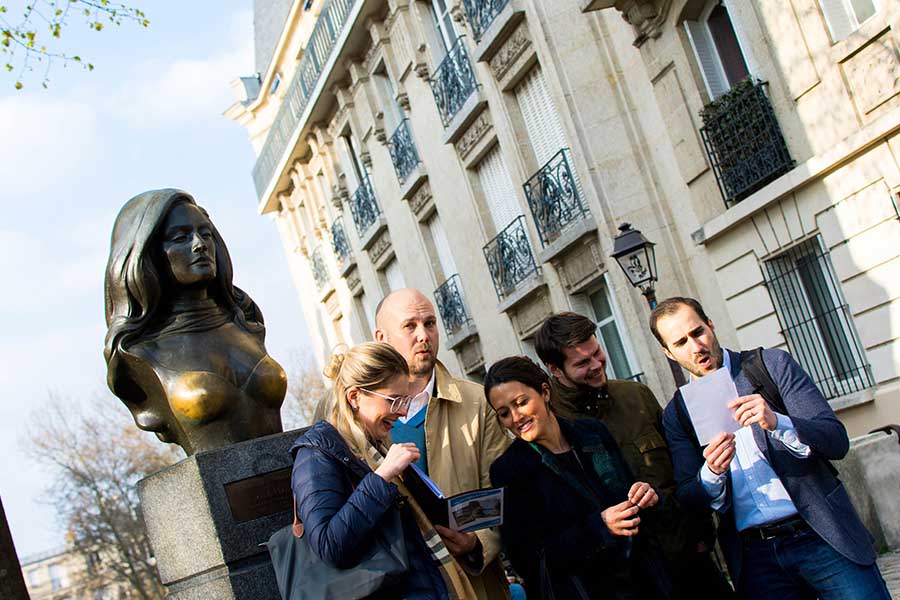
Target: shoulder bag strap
<point x="758" y="375"/>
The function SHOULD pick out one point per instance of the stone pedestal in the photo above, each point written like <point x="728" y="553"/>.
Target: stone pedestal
<point x="207" y="515"/>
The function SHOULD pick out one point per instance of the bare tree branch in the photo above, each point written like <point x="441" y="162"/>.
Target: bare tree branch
<point x="306" y="386"/>
<point x="98" y="456"/>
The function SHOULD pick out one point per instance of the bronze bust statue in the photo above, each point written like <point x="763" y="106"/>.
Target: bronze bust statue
<point x="184" y="347"/>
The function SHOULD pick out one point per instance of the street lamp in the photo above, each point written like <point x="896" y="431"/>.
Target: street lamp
<point x="635" y="255"/>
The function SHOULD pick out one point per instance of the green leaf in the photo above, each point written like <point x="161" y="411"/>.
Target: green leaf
<point x="18" y="85"/>
<point x="98" y="25"/>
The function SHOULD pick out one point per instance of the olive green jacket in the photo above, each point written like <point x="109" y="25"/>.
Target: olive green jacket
<point x="634" y="418"/>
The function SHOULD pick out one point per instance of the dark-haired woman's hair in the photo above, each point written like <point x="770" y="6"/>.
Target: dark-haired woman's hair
<point x="515" y="368"/>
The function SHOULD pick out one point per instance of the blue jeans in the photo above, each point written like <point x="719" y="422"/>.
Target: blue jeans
<point x="804" y="566"/>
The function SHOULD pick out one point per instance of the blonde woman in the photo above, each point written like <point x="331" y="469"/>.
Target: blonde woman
<point x="346" y="476"/>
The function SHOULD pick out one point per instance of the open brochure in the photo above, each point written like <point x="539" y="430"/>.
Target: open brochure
<point x="468" y="511"/>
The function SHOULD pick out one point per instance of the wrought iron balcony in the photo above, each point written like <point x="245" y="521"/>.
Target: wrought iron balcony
<point x="482" y="13"/>
<point x="509" y="258"/>
<point x="743" y="141"/>
<point x="451" y="305"/>
<point x="339" y="243"/>
<point x="403" y="151"/>
<point x="554" y="197"/>
<point x="364" y="207"/>
<point x="319" y="270"/>
<point x="453" y="82"/>
<point x="318" y="50"/>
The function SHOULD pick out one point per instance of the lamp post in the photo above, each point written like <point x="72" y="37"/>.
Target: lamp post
<point x="636" y="256"/>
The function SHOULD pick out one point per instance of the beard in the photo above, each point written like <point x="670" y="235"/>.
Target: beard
<point x="421" y="365"/>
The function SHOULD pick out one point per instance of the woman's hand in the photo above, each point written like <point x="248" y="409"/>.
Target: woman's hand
<point x="398" y="458"/>
<point x="642" y="495"/>
<point x="622" y="518"/>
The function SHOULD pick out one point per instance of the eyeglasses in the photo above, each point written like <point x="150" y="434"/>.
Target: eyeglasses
<point x="399" y="404"/>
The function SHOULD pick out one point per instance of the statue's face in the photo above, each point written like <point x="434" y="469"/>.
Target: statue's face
<point x="188" y="245"/>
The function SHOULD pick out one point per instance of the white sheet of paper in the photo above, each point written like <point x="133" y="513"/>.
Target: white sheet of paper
<point x="707" y="401"/>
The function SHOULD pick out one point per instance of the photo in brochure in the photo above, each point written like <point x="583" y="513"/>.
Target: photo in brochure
<point x="465" y="512"/>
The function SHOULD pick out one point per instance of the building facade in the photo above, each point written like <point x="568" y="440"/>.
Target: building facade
<point x="487" y="151"/>
<point x="66" y="575"/>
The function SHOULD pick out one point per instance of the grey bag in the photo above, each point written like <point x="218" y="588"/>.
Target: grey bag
<point x="302" y="575"/>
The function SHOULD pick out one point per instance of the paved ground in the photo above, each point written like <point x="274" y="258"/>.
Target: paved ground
<point x="890" y="568"/>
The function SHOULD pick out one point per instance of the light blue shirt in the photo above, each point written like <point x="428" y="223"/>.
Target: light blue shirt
<point x="758" y="496"/>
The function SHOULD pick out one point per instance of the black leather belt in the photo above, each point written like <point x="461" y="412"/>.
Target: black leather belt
<point x="774" y="530"/>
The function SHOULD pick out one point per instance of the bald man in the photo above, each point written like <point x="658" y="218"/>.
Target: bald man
<point x="451" y="423"/>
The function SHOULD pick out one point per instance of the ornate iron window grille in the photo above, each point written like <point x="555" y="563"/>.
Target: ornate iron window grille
<point x="815" y="320"/>
<point x="319" y="270"/>
<point x="364" y="207"/>
<point x="482" y="13"/>
<point x="554" y="197"/>
<point x="329" y="24"/>
<point x="403" y="151"/>
<point x="451" y="305"/>
<point x="509" y="258"/>
<point x="339" y="243"/>
<point x="743" y="141"/>
<point x="453" y="82"/>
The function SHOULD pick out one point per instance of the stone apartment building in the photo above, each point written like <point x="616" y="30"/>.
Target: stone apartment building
<point x="65" y="575"/>
<point x="487" y="151"/>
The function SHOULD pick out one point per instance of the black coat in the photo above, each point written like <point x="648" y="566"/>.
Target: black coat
<point x="554" y="512"/>
<point x="341" y="503"/>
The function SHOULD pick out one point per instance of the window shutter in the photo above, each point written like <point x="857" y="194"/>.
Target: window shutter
<point x="348" y="165"/>
<point x="394" y="275"/>
<point x="441" y="245"/>
<point x="498" y="189"/>
<point x="707" y="59"/>
<point x="840" y="22"/>
<point x="545" y="130"/>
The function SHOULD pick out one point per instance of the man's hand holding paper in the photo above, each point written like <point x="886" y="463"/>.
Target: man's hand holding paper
<point x="708" y="401"/>
<point x="753" y="409"/>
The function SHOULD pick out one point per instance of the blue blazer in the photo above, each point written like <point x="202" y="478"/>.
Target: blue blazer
<point x="817" y="493"/>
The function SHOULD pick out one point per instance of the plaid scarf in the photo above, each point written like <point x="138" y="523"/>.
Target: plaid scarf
<point x="456" y="580"/>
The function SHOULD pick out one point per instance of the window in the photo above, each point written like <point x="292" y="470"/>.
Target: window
<point x="384" y="88"/>
<point x="542" y="122"/>
<point x="441" y="247"/>
<point x="498" y="188"/>
<point x="845" y="16"/>
<point x="600" y="306"/>
<point x="717" y="49"/>
<point x="393" y="276"/>
<point x="366" y="310"/>
<point x="443" y="21"/>
<point x="353" y="166"/>
<point x="34" y="577"/>
<point x="815" y="319"/>
<point x="57" y="577"/>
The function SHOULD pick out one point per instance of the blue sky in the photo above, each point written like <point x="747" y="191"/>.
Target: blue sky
<point x="148" y="116"/>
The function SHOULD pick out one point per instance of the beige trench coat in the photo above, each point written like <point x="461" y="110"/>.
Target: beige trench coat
<point x="462" y="439"/>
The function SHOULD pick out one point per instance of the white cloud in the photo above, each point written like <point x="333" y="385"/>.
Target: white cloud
<point x="46" y="139"/>
<point x="189" y="88"/>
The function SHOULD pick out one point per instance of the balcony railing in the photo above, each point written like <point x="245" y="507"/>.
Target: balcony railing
<point x="743" y="141"/>
<point x="451" y="305"/>
<point x="339" y="243"/>
<point x="364" y="207"/>
<point x="319" y="270"/>
<point x="482" y="13"/>
<point x="509" y="258"/>
<point x="453" y="82"/>
<point x="403" y="151"/>
<point x="318" y="50"/>
<point x="555" y="197"/>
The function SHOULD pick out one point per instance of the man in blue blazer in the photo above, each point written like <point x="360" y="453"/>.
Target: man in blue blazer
<point x="787" y="527"/>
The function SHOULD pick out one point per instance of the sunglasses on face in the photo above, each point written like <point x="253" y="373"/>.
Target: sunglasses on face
<point x="399" y="404"/>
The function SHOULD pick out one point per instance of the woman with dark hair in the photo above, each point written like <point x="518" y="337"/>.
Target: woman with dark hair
<point x="575" y="521"/>
<point x="184" y="347"/>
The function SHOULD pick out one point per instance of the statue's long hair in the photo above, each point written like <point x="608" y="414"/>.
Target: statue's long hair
<point x="135" y="282"/>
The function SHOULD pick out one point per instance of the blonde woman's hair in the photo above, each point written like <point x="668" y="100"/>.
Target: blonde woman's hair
<point x="368" y="365"/>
